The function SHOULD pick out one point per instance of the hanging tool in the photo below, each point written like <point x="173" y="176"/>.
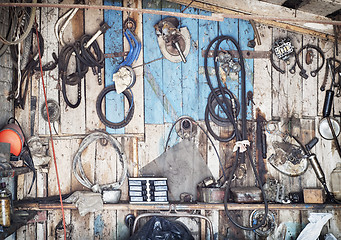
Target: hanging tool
<point x="174" y="42"/>
<point x="316" y="165"/>
<point x="134" y="52"/>
<point x="313" y="73"/>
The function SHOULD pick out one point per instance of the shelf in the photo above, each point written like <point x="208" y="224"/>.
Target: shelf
<point x="19" y="219"/>
<point x="184" y="206"/>
<point x="14" y="172"/>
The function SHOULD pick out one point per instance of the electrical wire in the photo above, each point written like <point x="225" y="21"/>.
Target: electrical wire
<point x="222" y="101"/>
<point x="78" y="170"/>
<point x="50" y="130"/>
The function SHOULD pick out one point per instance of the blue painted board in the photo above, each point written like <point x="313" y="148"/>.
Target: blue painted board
<point x="208" y="30"/>
<point x="113" y="42"/>
<point x="245" y="35"/>
<point x="172" y="81"/>
<point x="189" y="70"/>
<point x="153" y="75"/>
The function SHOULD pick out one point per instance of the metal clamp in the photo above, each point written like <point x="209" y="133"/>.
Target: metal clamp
<point x="314" y="72"/>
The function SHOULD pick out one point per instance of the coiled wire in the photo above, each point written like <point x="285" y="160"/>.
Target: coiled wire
<point x="77" y="166"/>
<point x="223" y="103"/>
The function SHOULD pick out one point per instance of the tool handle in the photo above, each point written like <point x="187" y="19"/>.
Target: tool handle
<point x="328" y="102"/>
<point x="311" y="144"/>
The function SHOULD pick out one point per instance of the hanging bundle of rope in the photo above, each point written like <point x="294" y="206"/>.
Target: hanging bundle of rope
<point x="227" y="102"/>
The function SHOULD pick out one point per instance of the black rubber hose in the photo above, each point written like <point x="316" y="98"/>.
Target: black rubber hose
<point x="101" y="115"/>
<point x="229" y="113"/>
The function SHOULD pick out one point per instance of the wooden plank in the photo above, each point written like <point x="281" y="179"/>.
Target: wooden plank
<point x="137" y="123"/>
<point x="279" y="84"/>
<point x="153" y="95"/>
<point x="189" y="70"/>
<point x="105" y="172"/>
<point x="114" y="103"/>
<point x="270" y="10"/>
<point x="294" y="82"/>
<point x="308" y="179"/>
<point x="229" y="27"/>
<point x="92" y="25"/>
<point x="49" y="16"/>
<point x="64" y="155"/>
<point x="104" y="225"/>
<point x="172" y="82"/>
<point x="208" y="30"/>
<point x="122" y="231"/>
<point x="295" y="28"/>
<point x="246" y="34"/>
<point x="310" y="85"/>
<point x="70" y="120"/>
<point x="262" y="73"/>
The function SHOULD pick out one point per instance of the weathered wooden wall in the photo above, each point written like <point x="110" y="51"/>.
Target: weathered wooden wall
<point x="165" y="91"/>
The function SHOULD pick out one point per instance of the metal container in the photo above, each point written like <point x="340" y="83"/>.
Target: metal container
<point x="246" y="194"/>
<point x="211" y="195"/>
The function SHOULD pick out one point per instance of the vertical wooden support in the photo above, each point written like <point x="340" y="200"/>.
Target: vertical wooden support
<point x="262" y="73"/>
<point x="136" y="125"/>
<point x="73" y="120"/>
<point x="114" y="103"/>
<point x="93" y="20"/>
<point x="154" y="110"/>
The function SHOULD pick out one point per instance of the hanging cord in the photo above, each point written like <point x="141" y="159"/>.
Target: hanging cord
<point x="197" y="124"/>
<point x="50" y="130"/>
<point x="240" y="136"/>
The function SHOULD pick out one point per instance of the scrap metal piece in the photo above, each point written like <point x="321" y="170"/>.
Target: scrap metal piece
<point x="268" y="227"/>
<point x="175" y="164"/>
<point x="289" y="159"/>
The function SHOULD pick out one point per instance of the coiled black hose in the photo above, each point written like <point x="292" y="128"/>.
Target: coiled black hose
<point x="102" y="116"/>
<point x="223" y="102"/>
<point x="85" y="57"/>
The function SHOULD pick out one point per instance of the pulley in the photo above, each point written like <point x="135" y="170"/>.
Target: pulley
<point x="174" y="42"/>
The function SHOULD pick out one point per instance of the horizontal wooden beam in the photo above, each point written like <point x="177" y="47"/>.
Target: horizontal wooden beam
<point x="213" y="17"/>
<point x="184" y="206"/>
<point x="303" y="29"/>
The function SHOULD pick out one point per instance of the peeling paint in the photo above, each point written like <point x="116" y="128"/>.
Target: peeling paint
<point x="99" y="226"/>
<point x="160" y="95"/>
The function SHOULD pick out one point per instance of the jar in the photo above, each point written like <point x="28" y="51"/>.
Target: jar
<point x="5" y="206"/>
<point x="335" y="182"/>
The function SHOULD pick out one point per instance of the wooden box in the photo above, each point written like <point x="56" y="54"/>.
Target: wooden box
<point x="314" y="195"/>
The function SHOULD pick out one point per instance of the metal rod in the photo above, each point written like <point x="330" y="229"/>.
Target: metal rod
<point x="213" y="17"/>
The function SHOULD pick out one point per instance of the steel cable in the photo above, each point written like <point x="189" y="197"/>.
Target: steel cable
<point x="77" y="166"/>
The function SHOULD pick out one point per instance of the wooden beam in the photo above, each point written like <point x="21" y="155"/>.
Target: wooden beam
<point x="184" y="207"/>
<point x="303" y="29"/>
